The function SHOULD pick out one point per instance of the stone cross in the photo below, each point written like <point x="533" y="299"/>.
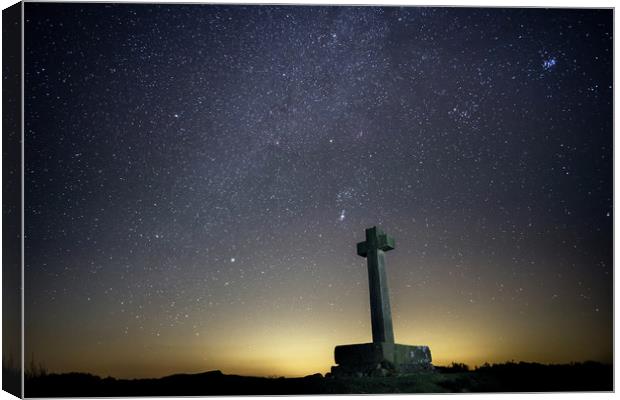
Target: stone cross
<point x="377" y="242"/>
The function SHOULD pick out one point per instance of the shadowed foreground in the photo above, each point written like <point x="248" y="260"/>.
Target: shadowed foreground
<point x="509" y="377"/>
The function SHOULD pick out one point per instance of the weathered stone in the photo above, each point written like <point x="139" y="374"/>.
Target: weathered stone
<point x="412" y="357"/>
<point x="365" y="353"/>
<point x="380" y="312"/>
<point x="388" y="365"/>
<point x="382" y="356"/>
<point x="380" y="372"/>
<point x="389" y="356"/>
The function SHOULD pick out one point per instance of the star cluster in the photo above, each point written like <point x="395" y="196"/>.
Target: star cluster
<point x="197" y="177"/>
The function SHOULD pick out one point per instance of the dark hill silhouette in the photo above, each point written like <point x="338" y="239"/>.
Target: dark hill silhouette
<point x="508" y="377"/>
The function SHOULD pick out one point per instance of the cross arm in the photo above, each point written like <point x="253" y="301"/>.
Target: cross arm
<point x="380" y="241"/>
<point x="362" y="249"/>
<point x="385" y="242"/>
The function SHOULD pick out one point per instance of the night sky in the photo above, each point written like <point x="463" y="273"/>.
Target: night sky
<point x="197" y="178"/>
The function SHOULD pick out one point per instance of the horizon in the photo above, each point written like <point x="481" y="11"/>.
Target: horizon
<point x="275" y="376"/>
<point x="197" y="178"/>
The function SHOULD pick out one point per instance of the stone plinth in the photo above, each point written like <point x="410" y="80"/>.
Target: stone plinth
<point x="380" y="359"/>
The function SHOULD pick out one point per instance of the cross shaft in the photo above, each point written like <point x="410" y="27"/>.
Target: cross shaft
<point x="374" y="248"/>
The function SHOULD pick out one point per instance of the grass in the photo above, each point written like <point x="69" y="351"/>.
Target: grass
<point x="458" y="378"/>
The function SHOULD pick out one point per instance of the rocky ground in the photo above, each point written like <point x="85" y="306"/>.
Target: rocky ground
<point x="509" y="377"/>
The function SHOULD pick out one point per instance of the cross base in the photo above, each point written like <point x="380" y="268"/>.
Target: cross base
<point x="380" y="359"/>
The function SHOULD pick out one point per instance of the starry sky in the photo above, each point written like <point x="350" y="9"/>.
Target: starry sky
<point x="197" y="177"/>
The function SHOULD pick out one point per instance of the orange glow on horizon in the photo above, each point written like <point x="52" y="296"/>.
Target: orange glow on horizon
<point x="295" y="344"/>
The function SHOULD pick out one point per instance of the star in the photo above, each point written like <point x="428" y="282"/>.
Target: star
<point x="549" y="63"/>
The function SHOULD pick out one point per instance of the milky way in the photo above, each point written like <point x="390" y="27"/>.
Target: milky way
<point x="197" y="178"/>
